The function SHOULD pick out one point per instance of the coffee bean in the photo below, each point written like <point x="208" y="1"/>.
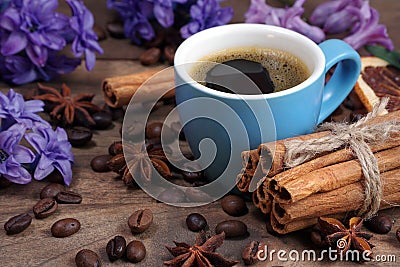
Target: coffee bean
<point x="380" y="224"/>
<point x="172" y="195"/>
<point x="116" y="248"/>
<point x="116" y="113"/>
<point x="79" y="136"/>
<point x="196" y="222"/>
<point x="154" y="130"/>
<point x="100" y="163"/>
<point x="398" y="234"/>
<point x="17" y="224"/>
<point x="116" y="29"/>
<point x="99" y="31"/>
<point x="51" y="190"/>
<point x="68" y="197"/>
<point x="44" y="208"/>
<point x="135" y="251"/>
<point x="140" y="221"/>
<point x="234" y="205"/>
<point x="169" y="53"/>
<point x="150" y="56"/>
<point x="115" y="148"/>
<point x="250" y="251"/>
<point x="232" y="228"/>
<point x="102" y="119"/>
<point x="65" y="227"/>
<point x="87" y="258"/>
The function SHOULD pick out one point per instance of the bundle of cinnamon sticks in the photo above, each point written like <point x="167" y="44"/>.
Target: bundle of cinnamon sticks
<point x="330" y="184"/>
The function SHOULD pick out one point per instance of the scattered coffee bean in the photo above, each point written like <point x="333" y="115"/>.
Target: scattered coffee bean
<point x="115" y="148"/>
<point x="232" y="228"/>
<point x="134" y="131"/>
<point x="65" y="227"/>
<point x="234" y="205"/>
<point x="250" y="251"/>
<point x="135" y="251"/>
<point x="44" y="208"/>
<point x="87" y="258"/>
<point x="151" y="56"/>
<point x="140" y="221"/>
<point x="316" y="237"/>
<point x="68" y="197"/>
<point x="116" y="29"/>
<point x="18" y="223"/>
<point x="99" y="31"/>
<point x="51" y="190"/>
<point x="100" y="163"/>
<point x="116" y="113"/>
<point x="172" y="195"/>
<point x="153" y="130"/>
<point x="196" y="222"/>
<point x="103" y="120"/>
<point x="115" y="248"/>
<point x="169" y="53"/>
<point x="380" y="224"/>
<point x="398" y="234"/>
<point x="79" y="136"/>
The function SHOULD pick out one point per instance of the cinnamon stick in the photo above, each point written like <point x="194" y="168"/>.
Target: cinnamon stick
<point x="119" y="90"/>
<point x="344" y="199"/>
<point x="271" y="156"/>
<point x="302" y="181"/>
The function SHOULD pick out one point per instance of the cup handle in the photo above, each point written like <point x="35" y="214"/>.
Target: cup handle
<point x="344" y="77"/>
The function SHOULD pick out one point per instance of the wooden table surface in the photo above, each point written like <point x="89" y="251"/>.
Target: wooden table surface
<point x="107" y="203"/>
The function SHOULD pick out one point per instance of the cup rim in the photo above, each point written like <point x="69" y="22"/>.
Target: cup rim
<point x="189" y="42"/>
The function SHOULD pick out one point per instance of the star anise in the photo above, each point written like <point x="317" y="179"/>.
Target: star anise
<point x="64" y="108"/>
<point x="342" y="238"/>
<point x="137" y="163"/>
<point x="201" y="254"/>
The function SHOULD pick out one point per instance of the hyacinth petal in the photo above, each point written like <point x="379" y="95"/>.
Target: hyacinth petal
<point x="34" y="106"/>
<point x="312" y="32"/>
<point x="164" y="15"/>
<point x="10" y="19"/>
<point x="339" y="22"/>
<point x="23" y="154"/>
<point x="257" y="12"/>
<point x="90" y="59"/>
<point x="36" y="141"/>
<point x="15" y="43"/>
<point x="37" y="54"/>
<point x="43" y="168"/>
<point x="323" y="11"/>
<point x="225" y="15"/>
<point x="64" y="167"/>
<point x="23" y="177"/>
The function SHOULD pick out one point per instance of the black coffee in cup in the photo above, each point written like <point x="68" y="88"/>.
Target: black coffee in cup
<point x="271" y="70"/>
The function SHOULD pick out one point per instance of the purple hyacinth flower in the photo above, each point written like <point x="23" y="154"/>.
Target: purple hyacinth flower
<point x="136" y="15"/>
<point x="34" y="26"/>
<point x="12" y="155"/>
<point x="163" y="11"/>
<point x="335" y="16"/>
<point x="289" y="17"/>
<point x="54" y="152"/>
<point x="206" y="14"/>
<point x="17" y="69"/>
<point x="85" y="40"/>
<point x="13" y="109"/>
<point x="367" y="31"/>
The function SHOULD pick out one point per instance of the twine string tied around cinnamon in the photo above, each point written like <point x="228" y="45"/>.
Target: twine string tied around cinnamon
<point x="356" y="136"/>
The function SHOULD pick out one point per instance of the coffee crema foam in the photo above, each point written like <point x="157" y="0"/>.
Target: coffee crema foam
<point x="285" y="69"/>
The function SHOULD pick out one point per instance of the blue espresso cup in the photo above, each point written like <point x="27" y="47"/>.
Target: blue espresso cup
<point x="219" y="125"/>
